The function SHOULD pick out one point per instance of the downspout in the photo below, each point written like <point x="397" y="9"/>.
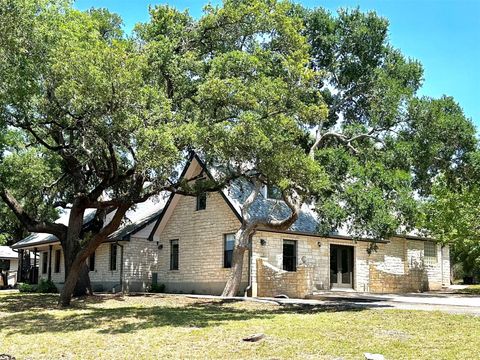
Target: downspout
<point x="121" y="265"/>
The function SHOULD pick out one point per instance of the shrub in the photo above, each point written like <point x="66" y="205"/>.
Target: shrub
<point x="157" y="288"/>
<point x="26" y="288"/>
<point x="46" y="287"/>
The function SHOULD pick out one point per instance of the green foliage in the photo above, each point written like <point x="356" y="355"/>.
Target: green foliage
<point x="439" y="141"/>
<point x="43" y="287"/>
<point x="157" y="288"/>
<point x="451" y="215"/>
<point x="27" y="288"/>
<point x="320" y="105"/>
<point x="46" y="287"/>
<point x="370" y="78"/>
<point x="401" y="142"/>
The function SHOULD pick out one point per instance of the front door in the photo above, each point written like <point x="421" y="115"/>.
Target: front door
<point x="341" y="266"/>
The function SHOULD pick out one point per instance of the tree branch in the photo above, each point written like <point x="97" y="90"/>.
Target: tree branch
<point x="32" y="225"/>
<point x="294" y="205"/>
<point x="344" y="139"/>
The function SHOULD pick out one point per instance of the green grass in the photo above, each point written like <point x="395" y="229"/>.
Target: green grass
<point x="174" y="327"/>
<point x="471" y="289"/>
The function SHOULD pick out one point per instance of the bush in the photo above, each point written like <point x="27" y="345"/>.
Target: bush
<point x="26" y="288"/>
<point x="46" y="287"/>
<point x="157" y="288"/>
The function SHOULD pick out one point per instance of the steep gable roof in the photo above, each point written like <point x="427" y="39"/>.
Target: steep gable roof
<point x="235" y="195"/>
<point x="237" y="192"/>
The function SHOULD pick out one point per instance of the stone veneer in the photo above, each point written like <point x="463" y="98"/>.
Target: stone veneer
<point x="396" y="266"/>
<point x="102" y="278"/>
<point x="272" y="281"/>
<point x="200" y="236"/>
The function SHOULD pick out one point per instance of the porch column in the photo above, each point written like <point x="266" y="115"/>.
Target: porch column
<point x="32" y="273"/>
<point x="50" y="262"/>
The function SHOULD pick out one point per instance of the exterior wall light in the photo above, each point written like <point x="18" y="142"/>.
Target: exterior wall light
<point x="263" y="242"/>
<point x="319" y="244"/>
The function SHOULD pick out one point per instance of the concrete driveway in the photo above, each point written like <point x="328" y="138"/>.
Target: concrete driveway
<point x="429" y="301"/>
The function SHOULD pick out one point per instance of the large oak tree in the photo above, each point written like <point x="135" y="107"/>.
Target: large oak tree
<point x="321" y="106"/>
<point x="74" y="89"/>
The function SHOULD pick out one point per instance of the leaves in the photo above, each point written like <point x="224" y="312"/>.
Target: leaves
<point x="317" y="104"/>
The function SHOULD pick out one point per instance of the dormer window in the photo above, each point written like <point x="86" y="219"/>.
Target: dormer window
<point x="202" y="201"/>
<point x="273" y="192"/>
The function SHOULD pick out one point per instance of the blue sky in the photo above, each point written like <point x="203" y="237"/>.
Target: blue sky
<point x="443" y="34"/>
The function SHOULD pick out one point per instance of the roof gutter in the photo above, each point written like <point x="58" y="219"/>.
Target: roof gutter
<point x="26" y="246"/>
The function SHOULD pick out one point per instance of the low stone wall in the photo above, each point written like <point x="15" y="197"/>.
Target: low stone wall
<point x="382" y="282"/>
<point x="272" y="281"/>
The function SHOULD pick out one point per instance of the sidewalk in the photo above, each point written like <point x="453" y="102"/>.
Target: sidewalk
<point x="427" y="298"/>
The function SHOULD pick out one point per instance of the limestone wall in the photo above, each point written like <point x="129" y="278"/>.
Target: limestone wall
<point x="397" y="266"/>
<point x="200" y="236"/>
<point x="102" y="278"/>
<point x="273" y="281"/>
<point x="401" y="266"/>
<point x="141" y="259"/>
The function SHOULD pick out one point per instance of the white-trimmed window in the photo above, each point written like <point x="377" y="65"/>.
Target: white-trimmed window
<point x="113" y="257"/>
<point x="289" y="255"/>
<point x="228" y="245"/>
<point x="58" y="255"/>
<point x="174" y="254"/>
<point x="201" y="201"/>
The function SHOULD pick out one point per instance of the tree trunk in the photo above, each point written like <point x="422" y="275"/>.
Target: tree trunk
<point x="72" y="272"/>
<point x="83" y="286"/>
<point x="241" y="245"/>
<point x="72" y="259"/>
<point x="233" y="283"/>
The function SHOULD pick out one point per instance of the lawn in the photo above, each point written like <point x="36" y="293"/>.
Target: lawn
<point x="471" y="289"/>
<point x="175" y="327"/>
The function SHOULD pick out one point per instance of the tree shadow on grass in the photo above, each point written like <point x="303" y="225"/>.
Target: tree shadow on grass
<point x="127" y="319"/>
<point x="39" y="302"/>
<point x="28" y="302"/>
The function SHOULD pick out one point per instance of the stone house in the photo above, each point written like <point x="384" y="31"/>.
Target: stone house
<point x="186" y="244"/>
<point x="123" y="262"/>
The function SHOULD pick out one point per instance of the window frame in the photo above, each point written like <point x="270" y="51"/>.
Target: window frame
<point x="174" y="256"/>
<point x="227" y="265"/>
<point x="432" y="256"/>
<point x="201" y="202"/>
<point x="44" y="262"/>
<point x="58" y="260"/>
<point x="293" y="257"/>
<point x="113" y="257"/>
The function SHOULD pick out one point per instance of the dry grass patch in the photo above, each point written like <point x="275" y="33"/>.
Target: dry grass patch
<point x="177" y="327"/>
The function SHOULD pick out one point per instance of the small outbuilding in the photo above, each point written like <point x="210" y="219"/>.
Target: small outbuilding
<point x="8" y="267"/>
